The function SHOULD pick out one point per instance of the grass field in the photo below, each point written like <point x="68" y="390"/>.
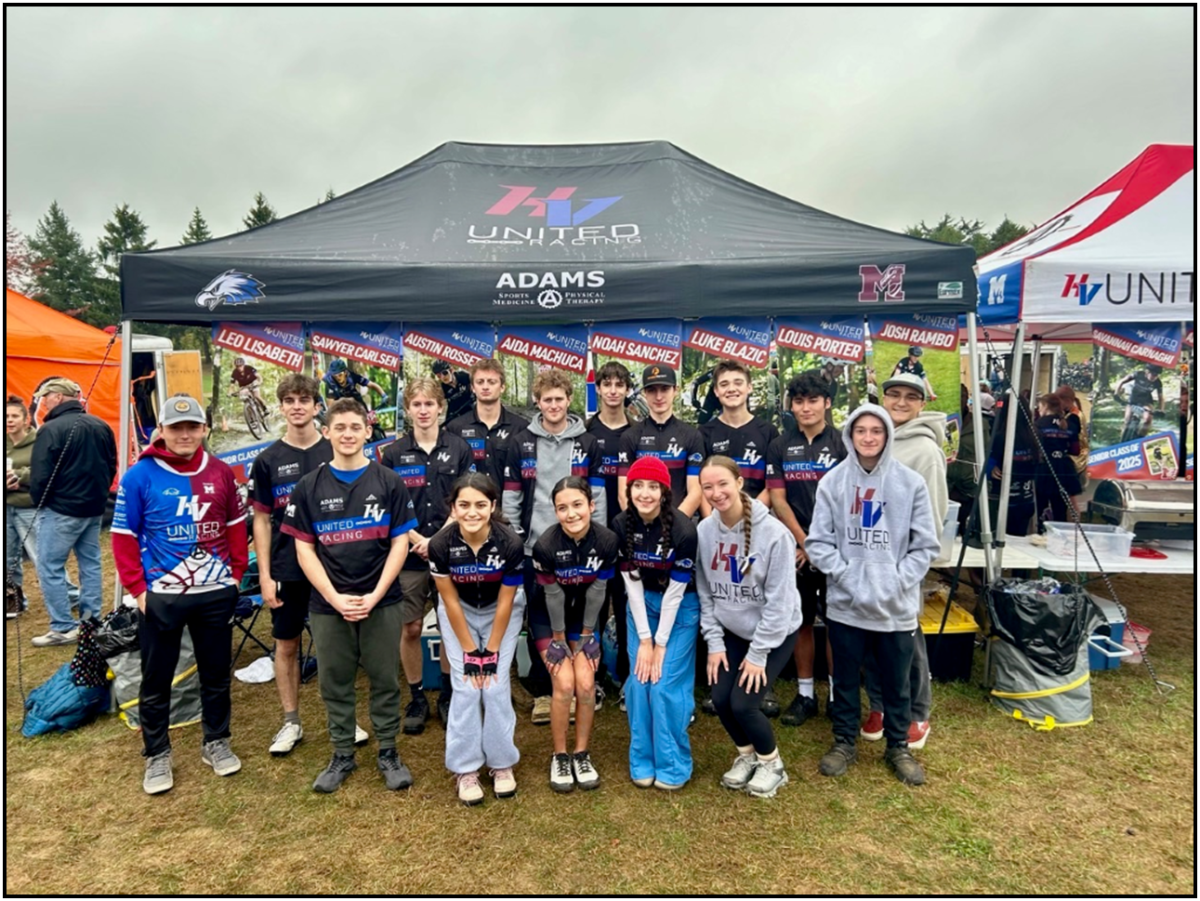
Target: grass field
<point x="1106" y="809"/>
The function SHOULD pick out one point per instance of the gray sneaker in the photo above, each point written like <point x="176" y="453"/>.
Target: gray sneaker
<point x="53" y="639"/>
<point x="158" y="778"/>
<point x="741" y="772"/>
<point x="904" y="765"/>
<point x="395" y="774"/>
<point x="837" y="759"/>
<point x="768" y="778"/>
<point x="218" y="755"/>
<point x="330" y="778"/>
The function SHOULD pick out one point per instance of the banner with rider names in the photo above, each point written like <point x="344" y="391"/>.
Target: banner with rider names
<point x="526" y="350"/>
<point x="839" y="339"/>
<point x="281" y="343"/>
<point x="371" y="343"/>
<point x="706" y="342"/>
<point x="1153" y="457"/>
<point x="1150" y="342"/>
<point x="924" y="345"/>
<point x="642" y="343"/>
<point x="932" y="331"/>
<point x="459" y="344"/>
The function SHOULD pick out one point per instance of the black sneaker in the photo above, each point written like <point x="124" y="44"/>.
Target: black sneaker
<point x="770" y="704"/>
<point x="904" y="765"/>
<point x="443" y="706"/>
<point x="415" y="715"/>
<point x="837" y="759"/>
<point x="331" y="778"/>
<point x="707" y="705"/>
<point x="800" y="711"/>
<point x="395" y="774"/>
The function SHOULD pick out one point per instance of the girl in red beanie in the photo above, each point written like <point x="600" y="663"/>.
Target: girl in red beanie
<point x="657" y="561"/>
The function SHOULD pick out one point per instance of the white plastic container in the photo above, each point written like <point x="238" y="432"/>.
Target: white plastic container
<point x="949" y="529"/>
<point x="1063" y="539"/>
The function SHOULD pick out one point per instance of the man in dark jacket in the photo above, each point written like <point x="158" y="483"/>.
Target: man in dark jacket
<point x="73" y="466"/>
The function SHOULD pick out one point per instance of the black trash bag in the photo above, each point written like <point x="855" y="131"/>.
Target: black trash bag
<point x="118" y="632"/>
<point x="1048" y="628"/>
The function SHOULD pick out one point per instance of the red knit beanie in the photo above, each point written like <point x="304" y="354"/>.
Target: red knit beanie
<point x="651" y="469"/>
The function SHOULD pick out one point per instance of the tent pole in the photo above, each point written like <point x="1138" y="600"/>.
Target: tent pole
<point x="1036" y="371"/>
<point x="985" y="515"/>
<point x="124" y="422"/>
<point x="1010" y="413"/>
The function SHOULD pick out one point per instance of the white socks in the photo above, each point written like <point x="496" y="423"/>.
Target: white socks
<point x="806" y="688"/>
<point x="767" y="758"/>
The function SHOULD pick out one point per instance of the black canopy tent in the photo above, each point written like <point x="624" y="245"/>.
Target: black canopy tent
<point x="549" y="233"/>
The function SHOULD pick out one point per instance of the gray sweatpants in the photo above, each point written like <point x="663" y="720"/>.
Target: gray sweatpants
<point x="341" y="648"/>
<point x="920" y="691"/>
<point x="481" y="723"/>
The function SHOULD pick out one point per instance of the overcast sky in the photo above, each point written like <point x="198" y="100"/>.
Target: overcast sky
<point x="886" y="116"/>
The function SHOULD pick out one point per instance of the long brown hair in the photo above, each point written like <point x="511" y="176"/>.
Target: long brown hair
<point x="666" y="518"/>
<point x="731" y="467"/>
<point x="485" y="486"/>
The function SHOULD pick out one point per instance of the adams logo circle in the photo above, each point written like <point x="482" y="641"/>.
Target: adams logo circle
<point x="549" y="299"/>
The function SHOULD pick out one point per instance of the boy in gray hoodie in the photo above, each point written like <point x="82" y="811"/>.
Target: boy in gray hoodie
<point x="873" y="534"/>
<point x="749" y="615"/>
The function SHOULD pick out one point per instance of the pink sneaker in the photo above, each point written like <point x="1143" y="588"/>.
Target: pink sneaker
<point x="872" y="727"/>
<point x="918" y="734"/>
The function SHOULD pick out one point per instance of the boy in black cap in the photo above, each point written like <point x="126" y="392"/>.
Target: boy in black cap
<point x="662" y="435"/>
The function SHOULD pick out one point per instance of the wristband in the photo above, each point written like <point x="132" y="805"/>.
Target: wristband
<point x="488" y="661"/>
<point x="473" y="663"/>
<point x="557" y="652"/>
<point x="590" y="647"/>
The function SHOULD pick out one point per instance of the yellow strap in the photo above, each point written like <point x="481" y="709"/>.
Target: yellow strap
<point x="135" y="701"/>
<point x="1047" y="724"/>
<point x="1045" y="692"/>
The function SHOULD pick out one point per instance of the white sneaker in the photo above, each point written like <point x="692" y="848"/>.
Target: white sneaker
<point x="286" y="739"/>
<point x="768" y="778"/>
<point x="740" y="774"/>
<point x="158" y="778"/>
<point x="504" y="783"/>
<point x="561" y="778"/>
<point x="360" y="735"/>
<point x="585" y="772"/>
<point x="53" y="639"/>
<point x="470" y="791"/>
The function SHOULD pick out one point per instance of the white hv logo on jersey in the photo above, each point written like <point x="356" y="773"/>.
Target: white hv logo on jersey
<point x="752" y="457"/>
<point x="192" y="507"/>
<point x="493" y="562"/>
<point x="374" y="511"/>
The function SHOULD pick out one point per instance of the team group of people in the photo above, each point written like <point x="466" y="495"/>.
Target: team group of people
<point x="716" y="549"/>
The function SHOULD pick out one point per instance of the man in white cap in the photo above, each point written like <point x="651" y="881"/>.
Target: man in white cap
<point x="179" y="542"/>
<point x="72" y="468"/>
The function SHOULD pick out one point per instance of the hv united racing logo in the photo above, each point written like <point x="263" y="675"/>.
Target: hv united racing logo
<point x="230" y="287"/>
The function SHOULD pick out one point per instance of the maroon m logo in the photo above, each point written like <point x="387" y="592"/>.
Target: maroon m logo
<point x="889" y="283"/>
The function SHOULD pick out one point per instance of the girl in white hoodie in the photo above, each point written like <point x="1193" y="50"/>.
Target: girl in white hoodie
<point x="749" y="616"/>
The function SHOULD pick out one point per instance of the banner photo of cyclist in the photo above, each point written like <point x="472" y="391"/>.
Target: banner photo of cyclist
<point x="924" y="345"/>
<point x="706" y="342"/>
<point x="249" y="359"/>
<point x="1135" y="401"/>
<point x="445" y="352"/>
<point x="525" y="350"/>
<point x="361" y="360"/>
<point x="837" y="347"/>
<point x="637" y="345"/>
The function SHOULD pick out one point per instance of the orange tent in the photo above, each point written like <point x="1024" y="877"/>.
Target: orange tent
<point x="41" y="342"/>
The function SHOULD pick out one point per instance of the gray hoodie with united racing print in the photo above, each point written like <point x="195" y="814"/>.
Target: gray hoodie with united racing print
<point x="873" y="535"/>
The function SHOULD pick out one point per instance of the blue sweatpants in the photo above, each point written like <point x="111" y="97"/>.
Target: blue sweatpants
<point x="659" y="712"/>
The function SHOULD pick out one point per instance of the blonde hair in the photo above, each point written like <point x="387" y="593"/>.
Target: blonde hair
<point x="731" y="467"/>
<point x="431" y="388"/>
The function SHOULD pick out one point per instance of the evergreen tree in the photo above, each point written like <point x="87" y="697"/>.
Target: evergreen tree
<point x="124" y="233"/>
<point x="66" y="279"/>
<point x="197" y="230"/>
<point x="20" y="266"/>
<point x="1006" y="232"/>
<point x="261" y="213"/>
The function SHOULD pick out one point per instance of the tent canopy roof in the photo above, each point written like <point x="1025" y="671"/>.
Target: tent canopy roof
<point x="481" y="231"/>
<point x="1130" y="242"/>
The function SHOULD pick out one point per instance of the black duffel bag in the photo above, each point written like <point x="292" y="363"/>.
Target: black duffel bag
<point x="118" y="632"/>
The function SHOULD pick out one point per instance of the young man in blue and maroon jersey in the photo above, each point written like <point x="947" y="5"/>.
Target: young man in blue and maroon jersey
<point x="737" y="433"/>
<point x="351" y="519"/>
<point x="796" y="462"/>
<point x="179" y="542"/>
<point x="662" y="435"/>
<point x="284" y="589"/>
<point x="490" y="426"/>
<point x="555" y="445"/>
<point x="428" y="459"/>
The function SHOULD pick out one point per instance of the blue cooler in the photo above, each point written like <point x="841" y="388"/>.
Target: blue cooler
<point x="431" y="652"/>
<point x="1104" y="645"/>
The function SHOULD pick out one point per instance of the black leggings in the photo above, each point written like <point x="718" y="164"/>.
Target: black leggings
<point x="741" y="711"/>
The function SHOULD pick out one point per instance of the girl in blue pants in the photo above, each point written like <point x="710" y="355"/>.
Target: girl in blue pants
<point x="657" y="560"/>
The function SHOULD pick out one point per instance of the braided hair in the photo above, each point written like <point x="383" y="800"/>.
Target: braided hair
<point x="666" y="519"/>
<point x="731" y="467"/>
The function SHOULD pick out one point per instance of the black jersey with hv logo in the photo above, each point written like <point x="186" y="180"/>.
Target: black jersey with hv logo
<point x="478" y="577"/>
<point x="796" y="465"/>
<point x="351" y="525"/>
<point x="272" y="477"/>
<point x="557" y="557"/>
<point x="676" y="443"/>
<point x="746" y="445"/>
<point x="429" y="478"/>
<point x="489" y="446"/>
<point x="657" y="564"/>
<point x="608" y="441"/>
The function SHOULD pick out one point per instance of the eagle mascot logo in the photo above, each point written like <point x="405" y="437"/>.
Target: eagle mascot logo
<point x="231" y="287"/>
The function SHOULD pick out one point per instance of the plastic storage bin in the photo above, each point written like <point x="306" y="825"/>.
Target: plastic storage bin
<point x="1107" y="654"/>
<point x="1063" y="540"/>
<point x="952" y="661"/>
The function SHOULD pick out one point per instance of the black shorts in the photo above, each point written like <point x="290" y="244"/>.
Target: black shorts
<point x="287" y="621"/>
<point x="418" y="593"/>
<point x="811" y="584"/>
<point x="539" y="619"/>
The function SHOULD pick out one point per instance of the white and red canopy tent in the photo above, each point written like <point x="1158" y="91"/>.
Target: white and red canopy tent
<point x="1125" y="252"/>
